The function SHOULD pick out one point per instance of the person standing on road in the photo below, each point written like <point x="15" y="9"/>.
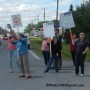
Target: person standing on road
<point x="82" y="47"/>
<point x="45" y="49"/>
<point x="55" y="47"/>
<point x="73" y="47"/>
<point x="60" y="36"/>
<point x="12" y="52"/>
<point x="22" y="50"/>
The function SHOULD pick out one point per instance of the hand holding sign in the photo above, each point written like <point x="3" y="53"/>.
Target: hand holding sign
<point x="49" y="40"/>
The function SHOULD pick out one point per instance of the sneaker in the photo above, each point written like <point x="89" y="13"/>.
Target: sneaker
<point x="27" y="77"/>
<point x="81" y="75"/>
<point x="11" y="71"/>
<point x="76" y="74"/>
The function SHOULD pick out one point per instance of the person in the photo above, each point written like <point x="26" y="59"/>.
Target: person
<point x="22" y="50"/>
<point x="12" y="54"/>
<point x="60" y="36"/>
<point x="0" y="41"/>
<point x="45" y="49"/>
<point x="55" y="47"/>
<point x="5" y="37"/>
<point x="82" y="47"/>
<point x="28" y="40"/>
<point x="73" y="47"/>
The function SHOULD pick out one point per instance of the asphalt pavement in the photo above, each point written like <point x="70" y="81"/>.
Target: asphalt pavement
<point x="64" y="80"/>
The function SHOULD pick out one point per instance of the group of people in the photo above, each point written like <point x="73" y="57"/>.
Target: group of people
<point x="18" y="50"/>
<point x="51" y="50"/>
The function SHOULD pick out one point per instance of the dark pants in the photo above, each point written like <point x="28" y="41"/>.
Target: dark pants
<point x="51" y="61"/>
<point x="60" y="59"/>
<point x="46" y="56"/>
<point x="73" y="56"/>
<point x="80" y="58"/>
<point x="28" y="46"/>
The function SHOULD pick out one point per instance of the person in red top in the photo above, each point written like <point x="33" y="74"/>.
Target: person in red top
<point x="73" y="47"/>
<point x="12" y="54"/>
<point x="5" y="37"/>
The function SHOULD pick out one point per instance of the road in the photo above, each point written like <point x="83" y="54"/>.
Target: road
<point x="64" y="80"/>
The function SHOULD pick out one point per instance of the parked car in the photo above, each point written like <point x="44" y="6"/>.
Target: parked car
<point x="36" y="35"/>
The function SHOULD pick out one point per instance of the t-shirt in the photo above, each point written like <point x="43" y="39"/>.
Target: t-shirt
<point x="45" y="47"/>
<point x="81" y="46"/>
<point x="55" y="47"/>
<point x="11" y="46"/>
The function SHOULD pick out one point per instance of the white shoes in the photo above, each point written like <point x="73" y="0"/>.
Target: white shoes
<point x="81" y="75"/>
<point x="76" y="74"/>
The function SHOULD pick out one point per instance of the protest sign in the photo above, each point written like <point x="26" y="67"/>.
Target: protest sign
<point x="66" y="20"/>
<point x="49" y="29"/>
<point x="16" y="20"/>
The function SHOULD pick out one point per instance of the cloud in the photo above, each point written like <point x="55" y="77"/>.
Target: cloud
<point x="30" y="9"/>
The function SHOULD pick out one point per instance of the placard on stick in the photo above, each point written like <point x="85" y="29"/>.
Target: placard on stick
<point x="16" y="20"/>
<point x="49" y="29"/>
<point x="66" y="20"/>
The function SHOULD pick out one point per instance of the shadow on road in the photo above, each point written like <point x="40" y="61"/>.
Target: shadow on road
<point x="37" y="76"/>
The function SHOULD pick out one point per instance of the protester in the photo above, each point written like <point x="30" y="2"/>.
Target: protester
<point x="60" y="36"/>
<point x="82" y="47"/>
<point x="22" y="50"/>
<point x="28" y="41"/>
<point x="0" y="41"/>
<point x="55" y="47"/>
<point x="73" y="47"/>
<point x="5" y="37"/>
<point x="45" y="49"/>
<point x="12" y="52"/>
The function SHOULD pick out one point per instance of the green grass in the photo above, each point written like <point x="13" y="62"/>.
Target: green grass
<point x="36" y="44"/>
<point x="1" y="36"/>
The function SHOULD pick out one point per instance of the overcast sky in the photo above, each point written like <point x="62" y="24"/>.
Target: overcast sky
<point x="30" y="9"/>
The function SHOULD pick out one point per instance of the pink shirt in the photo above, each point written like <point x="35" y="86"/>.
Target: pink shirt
<point x="45" y="47"/>
<point x="11" y="46"/>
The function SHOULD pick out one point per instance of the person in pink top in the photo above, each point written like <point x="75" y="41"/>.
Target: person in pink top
<point x="45" y="49"/>
<point x="12" y="54"/>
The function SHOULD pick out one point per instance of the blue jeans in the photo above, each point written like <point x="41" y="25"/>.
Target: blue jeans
<point x="12" y="54"/>
<point x="55" y="57"/>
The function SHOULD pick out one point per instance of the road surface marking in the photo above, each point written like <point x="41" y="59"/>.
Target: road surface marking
<point x="34" y="55"/>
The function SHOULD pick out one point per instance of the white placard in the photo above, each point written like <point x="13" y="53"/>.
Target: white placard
<point x="49" y="29"/>
<point x="66" y="20"/>
<point x="16" y="20"/>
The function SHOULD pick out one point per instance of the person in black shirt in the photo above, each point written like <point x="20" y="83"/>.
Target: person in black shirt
<point x="82" y="47"/>
<point x="55" y="48"/>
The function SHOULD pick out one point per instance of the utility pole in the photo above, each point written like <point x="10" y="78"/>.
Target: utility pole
<point x="57" y="15"/>
<point x="57" y="10"/>
<point x="83" y="2"/>
<point x="44" y="15"/>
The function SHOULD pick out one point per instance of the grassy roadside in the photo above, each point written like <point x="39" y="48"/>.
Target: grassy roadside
<point x="36" y="44"/>
<point x="1" y="36"/>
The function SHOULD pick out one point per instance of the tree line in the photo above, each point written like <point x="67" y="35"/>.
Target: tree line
<point x="81" y="17"/>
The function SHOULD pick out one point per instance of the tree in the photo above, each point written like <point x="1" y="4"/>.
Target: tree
<point x="71" y="8"/>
